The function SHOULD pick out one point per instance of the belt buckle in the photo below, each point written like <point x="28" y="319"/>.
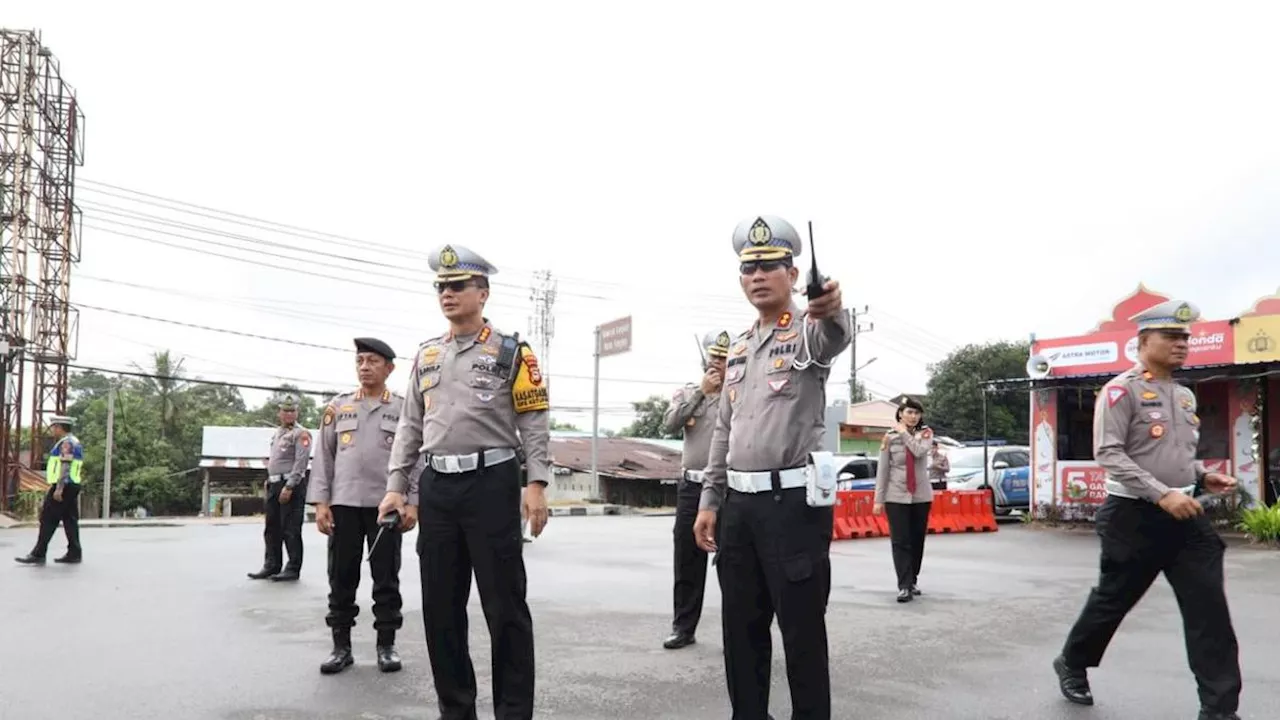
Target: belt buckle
<point x="451" y="464"/>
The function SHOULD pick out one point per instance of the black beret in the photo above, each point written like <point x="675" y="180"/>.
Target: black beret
<point x="376" y="346"/>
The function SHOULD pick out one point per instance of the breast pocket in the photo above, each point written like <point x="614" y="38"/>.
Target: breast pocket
<point x="733" y="385"/>
<point x="388" y="426"/>
<point x="346" y="429"/>
<point x="782" y="385"/>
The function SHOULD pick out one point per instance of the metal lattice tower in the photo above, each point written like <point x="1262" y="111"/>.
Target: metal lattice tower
<point x="542" y="325"/>
<point x="41" y="146"/>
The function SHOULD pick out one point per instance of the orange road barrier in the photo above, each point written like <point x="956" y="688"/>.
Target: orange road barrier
<point x="953" y="511"/>
<point x="853" y="517"/>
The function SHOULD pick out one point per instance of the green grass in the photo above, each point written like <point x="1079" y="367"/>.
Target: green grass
<point x="1261" y="524"/>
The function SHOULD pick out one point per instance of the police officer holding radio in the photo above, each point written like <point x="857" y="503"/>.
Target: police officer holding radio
<point x="769" y="515"/>
<point x="1145" y="434"/>
<point x="693" y="408"/>
<point x="348" y="481"/>
<point x="476" y="399"/>
<point x="286" y="494"/>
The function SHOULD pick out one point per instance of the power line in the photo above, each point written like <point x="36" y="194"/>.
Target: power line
<point x="317" y="346"/>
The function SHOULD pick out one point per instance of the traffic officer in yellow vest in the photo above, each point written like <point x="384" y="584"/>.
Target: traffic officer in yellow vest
<point x="286" y="489"/>
<point x="475" y="400"/>
<point x="348" y="480"/>
<point x="772" y="525"/>
<point x="693" y="409"/>
<point x="61" y="503"/>
<point x="1145" y="434"/>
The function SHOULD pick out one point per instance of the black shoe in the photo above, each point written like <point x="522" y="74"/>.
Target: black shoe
<point x="30" y="560"/>
<point x="1073" y="683"/>
<point x="675" y="641"/>
<point x="904" y="595"/>
<point x="916" y="591"/>
<point x="286" y="576"/>
<point x="340" y="659"/>
<point x="69" y="558"/>
<point x="1214" y="715"/>
<point x="262" y="574"/>
<point x="388" y="658"/>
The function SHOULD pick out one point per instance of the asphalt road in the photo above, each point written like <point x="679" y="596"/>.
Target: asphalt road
<point x="161" y="622"/>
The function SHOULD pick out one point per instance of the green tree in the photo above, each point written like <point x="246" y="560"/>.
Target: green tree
<point x="648" y="422"/>
<point x="858" y="393"/>
<point x="954" y="404"/>
<point x="557" y="425"/>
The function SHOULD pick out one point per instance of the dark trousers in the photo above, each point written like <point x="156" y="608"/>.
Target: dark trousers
<point x="354" y="528"/>
<point x="774" y="560"/>
<point x="284" y="526"/>
<point x="690" y="562"/>
<point x="1139" y="541"/>
<point x="908" y="528"/>
<point x="471" y="521"/>
<point x="66" y="512"/>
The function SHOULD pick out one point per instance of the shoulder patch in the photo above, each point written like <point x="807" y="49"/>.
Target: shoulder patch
<point x="329" y="412"/>
<point x="1115" y="393"/>
<point x="528" y="393"/>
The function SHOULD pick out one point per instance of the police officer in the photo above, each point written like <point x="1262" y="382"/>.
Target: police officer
<point x="772" y="545"/>
<point x="1145" y="433"/>
<point x="286" y="494"/>
<point x="348" y="481"/>
<point x="476" y="398"/>
<point x="61" y="502"/>
<point x="693" y="408"/>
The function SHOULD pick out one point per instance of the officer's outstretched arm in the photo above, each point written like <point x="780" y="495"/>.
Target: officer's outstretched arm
<point x="532" y="404"/>
<point x="1112" y="416"/>
<point x="827" y="338"/>
<point x="717" y="470"/>
<point x="321" y="488"/>
<point x="408" y="441"/>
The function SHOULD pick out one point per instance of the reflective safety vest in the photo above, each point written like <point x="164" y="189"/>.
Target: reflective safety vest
<point x="66" y="450"/>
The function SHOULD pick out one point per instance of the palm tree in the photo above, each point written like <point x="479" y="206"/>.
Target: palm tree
<point x="165" y="385"/>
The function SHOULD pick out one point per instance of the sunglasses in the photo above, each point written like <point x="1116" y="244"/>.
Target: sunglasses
<point x="768" y="266"/>
<point x="456" y="286"/>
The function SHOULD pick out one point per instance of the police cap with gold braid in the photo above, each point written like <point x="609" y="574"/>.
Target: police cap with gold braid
<point x="766" y="237"/>
<point x="455" y="262"/>
<point x="1172" y="316"/>
<point x="716" y="343"/>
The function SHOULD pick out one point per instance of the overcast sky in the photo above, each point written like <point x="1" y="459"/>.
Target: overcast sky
<point x="974" y="171"/>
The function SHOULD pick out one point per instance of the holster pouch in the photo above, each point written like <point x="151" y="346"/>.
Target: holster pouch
<point x="820" y="479"/>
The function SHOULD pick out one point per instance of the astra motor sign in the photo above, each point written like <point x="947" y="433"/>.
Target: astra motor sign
<point x="1110" y="353"/>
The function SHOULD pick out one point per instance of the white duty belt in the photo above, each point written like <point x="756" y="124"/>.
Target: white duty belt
<point x="757" y="482"/>
<point x="453" y="464"/>
<point x="1119" y="490"/>
<point x="695" y="476"/>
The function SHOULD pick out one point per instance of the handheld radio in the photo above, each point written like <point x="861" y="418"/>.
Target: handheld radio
<point x="816" y="280"/>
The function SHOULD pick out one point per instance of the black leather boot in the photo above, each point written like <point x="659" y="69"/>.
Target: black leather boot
<point x="388" y="658"/>
<point x="340" y="659"/>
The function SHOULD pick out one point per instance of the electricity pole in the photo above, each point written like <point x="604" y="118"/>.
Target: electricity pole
<point x="111" y="435"/>
<point x="855" y="329"/>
